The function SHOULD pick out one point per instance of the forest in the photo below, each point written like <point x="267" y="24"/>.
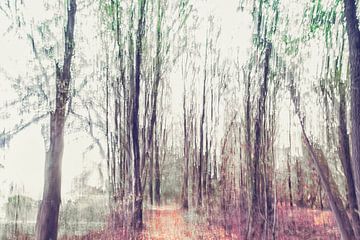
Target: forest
<point x="179" y="119"/>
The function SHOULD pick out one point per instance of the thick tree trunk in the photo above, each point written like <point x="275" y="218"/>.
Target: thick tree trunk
<point x="352" y="26"/>
<point x="256" y="174"/>
<point x="344" y="154"/>
<point x="137" y="219"/>
<point x="47" y="220"/>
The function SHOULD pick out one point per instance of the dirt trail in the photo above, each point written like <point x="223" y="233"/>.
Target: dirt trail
<point x="170" y="223"/>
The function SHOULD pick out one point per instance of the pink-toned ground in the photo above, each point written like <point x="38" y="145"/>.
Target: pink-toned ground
<point x="170" y="223"/>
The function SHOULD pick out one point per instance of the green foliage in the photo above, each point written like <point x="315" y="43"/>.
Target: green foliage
<point x="323" y="18"/>
<point x="110" y="10"/>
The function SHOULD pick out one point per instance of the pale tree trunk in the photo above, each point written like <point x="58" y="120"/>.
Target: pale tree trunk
<point x="288" y="163"/>
<point x="47" y="220"/>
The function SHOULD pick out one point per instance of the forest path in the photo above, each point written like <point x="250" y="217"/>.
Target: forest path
<point x="171" y="223"/>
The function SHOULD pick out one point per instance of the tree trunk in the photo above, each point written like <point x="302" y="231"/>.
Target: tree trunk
<point x="137" y="219"/>
<point x="157" y="173"/>
<point x="47" y="220"/>
<point x="151" y="174"/>
<point x="344" y="154"/>
<point x="185" y="188"/>
<point x="256" y="174"/>
<point x="288" y="163"/>
<point x="352" y="26"/>
<point x="155" y="88"/>
<point x="194" y="163"/>
<point x="248" y="147"/>
<point x="201" y="155"/>
<point x="300" y="184"/>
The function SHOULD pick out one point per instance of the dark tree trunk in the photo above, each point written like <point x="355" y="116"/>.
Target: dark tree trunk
<point x="185" y="188"/>
<point x="352" y="26"/>
<point x="300" y="184"/>
<point x="157" y="170"/>
<point x="344" y="154"/>
<point x="151" y="174"/>
<point x="206" y="163"/>
<point x="155" y="88"/>
<point x="137" y="219"/>
<point x="248" y="148"/>
<point x="202" y="118"/>
<point x="194" y="163"/>
<point x="47" y="220"/>
<point x="256" y="174"/>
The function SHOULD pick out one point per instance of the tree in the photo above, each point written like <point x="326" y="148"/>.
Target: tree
<point x="47" y="220"/>
<point x="185" y="187"/>
<point x="137" y="219"/>
<point x="201" y="147"/>
<point x="353" y="32"/>
<point x="344" y="144"/>
<point x="154" y="93"/>
<point x="259" y="131"/>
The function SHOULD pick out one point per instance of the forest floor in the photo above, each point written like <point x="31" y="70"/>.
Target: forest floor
<point x="164" y="223"/>
<point x="171" y="223"/>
